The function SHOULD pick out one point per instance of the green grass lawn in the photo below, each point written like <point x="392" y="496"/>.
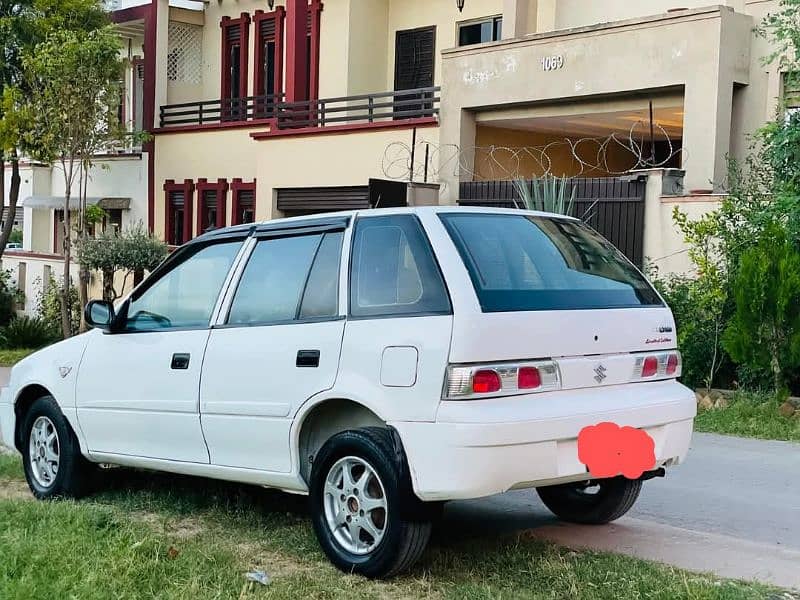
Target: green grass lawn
<point x="8" y="358"/>
<point x="151" y="535"/>
<point x="750" y="415"/>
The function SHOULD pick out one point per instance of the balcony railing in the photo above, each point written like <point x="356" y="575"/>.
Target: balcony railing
<point x="367" y="108"/>
<point x="225" y="110"/>
<point x="348" y="110"/>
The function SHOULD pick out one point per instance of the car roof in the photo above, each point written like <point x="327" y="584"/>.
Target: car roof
<point x="344" y="217"/>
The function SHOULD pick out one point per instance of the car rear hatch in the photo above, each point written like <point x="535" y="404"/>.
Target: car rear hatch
<point x="560" y="308"/>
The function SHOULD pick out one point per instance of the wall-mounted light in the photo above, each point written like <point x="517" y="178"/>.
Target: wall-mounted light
<point x="271" y="4"/>
<point x="460" y="5"/>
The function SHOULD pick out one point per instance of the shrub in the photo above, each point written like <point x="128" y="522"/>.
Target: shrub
<point x="27" y="332"/>
<point x="700" y="316"/>
<point x="9" y="297"/>
<point x="48" y="305"/>
<point x="764" y="333"/>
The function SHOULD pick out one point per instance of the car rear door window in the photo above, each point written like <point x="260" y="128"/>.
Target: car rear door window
<point x="287" y="279"/>
<point x="393" y="270"/>
<point x="522" y="263"/>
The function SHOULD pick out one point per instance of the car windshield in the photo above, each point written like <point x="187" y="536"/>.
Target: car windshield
<point x="528" y="263"/>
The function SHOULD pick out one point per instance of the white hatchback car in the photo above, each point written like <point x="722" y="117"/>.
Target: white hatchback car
<point x="382" y="361"/>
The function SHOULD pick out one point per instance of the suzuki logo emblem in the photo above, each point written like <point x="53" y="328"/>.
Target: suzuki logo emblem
<point x="601" y="374"/>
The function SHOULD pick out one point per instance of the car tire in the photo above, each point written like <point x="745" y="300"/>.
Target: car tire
<point x="591" y="503"/>
<point x="368" y="522"/>
<point x="51" y="455"/>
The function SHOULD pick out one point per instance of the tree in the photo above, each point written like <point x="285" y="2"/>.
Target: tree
<point x="764" y="332"/>
<point x="782" y="29"/>
<point x="24" y="24"/>
<point x="74" y="80"/>
<point x="130" y="252"/>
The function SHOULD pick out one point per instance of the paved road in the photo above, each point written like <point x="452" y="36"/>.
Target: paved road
<point x="732" y="508"/>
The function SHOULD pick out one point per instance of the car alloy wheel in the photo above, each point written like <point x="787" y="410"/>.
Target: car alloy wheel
<point x="356" y="508"/>
<point x="44" y="451"/>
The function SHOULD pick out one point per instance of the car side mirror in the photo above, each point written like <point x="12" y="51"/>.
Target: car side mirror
<point x="99" y="314"/>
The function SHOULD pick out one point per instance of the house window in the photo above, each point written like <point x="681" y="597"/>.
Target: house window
<point x="479" y="32"/>
<point x="208" y="211"/>
<point x="112" y="220"/>
<point x="415" y="53"/>
<point x="269" y="60"/>
<point x="243" y="203"/>
<point x="178" y="209"/>
<point x="138" y="94"/>
<point x="235" y="35"/>
<point x="791" y="94"/>
<point x="185" y="53"/>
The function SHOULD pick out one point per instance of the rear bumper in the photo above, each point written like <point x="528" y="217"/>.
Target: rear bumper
<point x="475" y="449"/>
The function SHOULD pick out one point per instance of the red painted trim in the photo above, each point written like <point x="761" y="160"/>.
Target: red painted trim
<point x="342" y="129"/>
<point x="237" y="186"/>
<point x="243" y="22"/>
<point x="149" y="108"/>
<point x="187" y="187"/>
<point x="279" y="16"/>
<point x="221" y="188"/>
<point x="134" y="13"/>
<point x="316" y="25"/>
<point x="214" y="126"/>
<point x="296" y="50"/>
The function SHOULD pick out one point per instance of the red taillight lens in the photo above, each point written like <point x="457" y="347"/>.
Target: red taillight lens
<point x="486" y="382"/>
<point x="672" y="364"/>
<point x="529" y="378"/>
<point x="650" y="366"/>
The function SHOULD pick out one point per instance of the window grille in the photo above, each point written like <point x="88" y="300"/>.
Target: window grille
<point x="185" y="53"/>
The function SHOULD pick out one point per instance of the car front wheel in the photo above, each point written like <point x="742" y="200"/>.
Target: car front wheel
<point x="54" y="465"/>
<point x="591" y="502"/>
<point x="363" y="506"/>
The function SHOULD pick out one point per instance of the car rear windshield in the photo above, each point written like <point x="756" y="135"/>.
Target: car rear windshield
<point x="527" y="263"/>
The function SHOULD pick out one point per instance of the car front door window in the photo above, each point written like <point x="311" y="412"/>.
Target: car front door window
<point x="186" y="295"/>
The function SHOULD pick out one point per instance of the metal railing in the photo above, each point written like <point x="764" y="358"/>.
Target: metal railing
<point x="224" y="110"/>
<point x="367" y="108"/>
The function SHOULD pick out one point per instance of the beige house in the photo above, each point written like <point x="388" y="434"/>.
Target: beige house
<point x="262" y="109"/>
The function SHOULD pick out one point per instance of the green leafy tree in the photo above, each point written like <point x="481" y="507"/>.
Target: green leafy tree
<point x="782" y="29"/>
<point x="130" y="252"/>
<point x="764" y="333"/>
<point x="23" y="25"/>
<point x="74" y="80"/>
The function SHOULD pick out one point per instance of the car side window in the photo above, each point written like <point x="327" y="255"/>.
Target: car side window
<point x="287" y="279"/>
<point x="393" y="270"/>
<point x="185" y="296"/>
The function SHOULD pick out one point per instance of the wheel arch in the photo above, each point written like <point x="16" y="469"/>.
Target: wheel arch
<point x="321" y="421"/>
<point x="25" y="398"/>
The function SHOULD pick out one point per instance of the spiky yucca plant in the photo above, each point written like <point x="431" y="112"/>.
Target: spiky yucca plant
<point x="546" y="194"/>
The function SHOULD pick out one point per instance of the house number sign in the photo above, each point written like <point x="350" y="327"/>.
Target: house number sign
<point x="553" y="63"/>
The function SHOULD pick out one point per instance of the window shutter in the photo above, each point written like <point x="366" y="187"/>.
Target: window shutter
<point x="177" y="198"/>
<point x="246" y="198"/>
<point x="267" y="30"/>
<point x="233" y="33"/>
<point x="414" y="58"/>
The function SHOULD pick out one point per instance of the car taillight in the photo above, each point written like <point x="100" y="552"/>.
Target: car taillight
<point x="664" y="365"/>
<point x="507" y="379"/>
<point x="673" y="363"/>
<point x="650" y="367"/>
<point x="486" y="382"/>
<point x="529" y="378"/>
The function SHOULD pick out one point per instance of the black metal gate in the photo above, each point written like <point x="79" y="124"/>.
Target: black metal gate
<point x="613" y="206"/>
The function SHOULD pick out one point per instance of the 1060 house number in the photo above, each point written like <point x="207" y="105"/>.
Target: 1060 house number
<point x="552" y="63"/>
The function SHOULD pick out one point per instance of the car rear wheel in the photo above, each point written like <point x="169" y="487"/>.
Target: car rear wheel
<point x="591" y="502"/>
<point x="51" y="456"/>
<point x="364" y="513"/>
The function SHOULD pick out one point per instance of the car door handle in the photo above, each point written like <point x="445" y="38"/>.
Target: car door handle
<point x="307" y="358"/>
<point x="180" y="362"/>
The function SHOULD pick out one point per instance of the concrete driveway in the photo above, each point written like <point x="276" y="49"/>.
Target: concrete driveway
<point x="733" y="509"/>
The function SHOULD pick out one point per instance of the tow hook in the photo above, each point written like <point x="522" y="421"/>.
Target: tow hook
<point x="660" y="472"/>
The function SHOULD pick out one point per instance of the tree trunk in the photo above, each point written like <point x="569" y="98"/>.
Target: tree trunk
<point x="83" y="277"/>
<point x="109" y="295"/>
<point x="83" y="295"/>
<point x="13" y="198"/>
<point x="66" y="309"/>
